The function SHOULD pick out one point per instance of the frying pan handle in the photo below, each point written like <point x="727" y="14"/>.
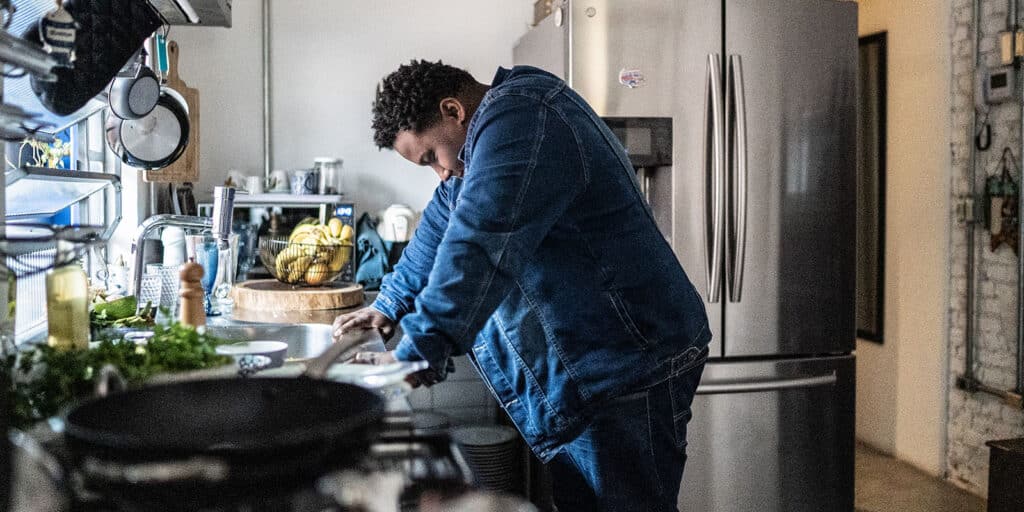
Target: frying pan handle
<point x="317" y="368"/>
<point x="207" y="469"/>
<point x="109" y="380"/>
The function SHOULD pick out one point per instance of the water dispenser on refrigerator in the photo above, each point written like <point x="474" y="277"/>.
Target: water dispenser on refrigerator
<point x="648" y="142"/>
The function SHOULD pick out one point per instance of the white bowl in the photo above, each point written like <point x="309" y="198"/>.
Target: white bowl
<point x="275" y="350"/>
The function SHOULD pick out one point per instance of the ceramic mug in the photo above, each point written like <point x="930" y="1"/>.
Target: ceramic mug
<point x="305" y="181"/>
<point x="278" y="181"/>
<point x="254" y="184"/>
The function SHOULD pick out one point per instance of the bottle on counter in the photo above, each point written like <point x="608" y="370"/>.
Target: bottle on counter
<point x="67" y="307"/>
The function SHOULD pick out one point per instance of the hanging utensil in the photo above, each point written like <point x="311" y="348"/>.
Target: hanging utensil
<point x="157" y="139"/>
<point x="135" y="91"/>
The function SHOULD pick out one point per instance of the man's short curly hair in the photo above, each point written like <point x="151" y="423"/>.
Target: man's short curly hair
<point x="407" y="99"/>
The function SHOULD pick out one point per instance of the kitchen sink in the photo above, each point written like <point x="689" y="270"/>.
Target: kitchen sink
<point x="304" y="341"/>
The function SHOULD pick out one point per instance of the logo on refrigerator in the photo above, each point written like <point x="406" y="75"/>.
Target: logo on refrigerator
<point x="631" y="78"/>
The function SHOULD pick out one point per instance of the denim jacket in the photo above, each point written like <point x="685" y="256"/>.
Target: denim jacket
<point x="545" y="266"/>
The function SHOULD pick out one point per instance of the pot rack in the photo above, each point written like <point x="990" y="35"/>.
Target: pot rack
<point x="63" y="188"/>
<point x="21" y="114"/>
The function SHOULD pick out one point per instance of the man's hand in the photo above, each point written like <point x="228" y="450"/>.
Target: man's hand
<point x="375" y="358"/>
<point x="366" y="318"/>
<point x="426" y="377"/>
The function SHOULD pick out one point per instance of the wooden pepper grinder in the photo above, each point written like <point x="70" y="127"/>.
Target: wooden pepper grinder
<point x="192" y="312"/>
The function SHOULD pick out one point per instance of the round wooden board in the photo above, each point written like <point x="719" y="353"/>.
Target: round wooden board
<point x="273" y="295"/>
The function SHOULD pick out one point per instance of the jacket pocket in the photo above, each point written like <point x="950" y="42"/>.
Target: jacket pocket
<point x="627" y="320"/>
<point x="689" y="359"/>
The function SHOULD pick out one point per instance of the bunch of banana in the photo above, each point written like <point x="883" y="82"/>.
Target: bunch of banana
<point x="314" y="252"/>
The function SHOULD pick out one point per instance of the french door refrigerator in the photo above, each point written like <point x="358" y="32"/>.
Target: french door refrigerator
<point x="739" y="117"/>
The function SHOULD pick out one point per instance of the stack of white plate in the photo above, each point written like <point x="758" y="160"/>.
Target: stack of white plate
<point x="492" y="455"/>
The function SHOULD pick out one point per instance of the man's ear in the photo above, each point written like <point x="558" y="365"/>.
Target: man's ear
<point x="452" y="108"/>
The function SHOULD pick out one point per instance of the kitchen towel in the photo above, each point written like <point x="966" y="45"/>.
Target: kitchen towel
<point x="373" y="255"/>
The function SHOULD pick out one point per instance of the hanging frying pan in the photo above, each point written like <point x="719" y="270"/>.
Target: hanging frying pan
<point x="155" y="140"/>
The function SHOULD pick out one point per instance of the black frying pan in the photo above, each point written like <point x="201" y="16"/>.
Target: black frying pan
<point x="192" y="444"/>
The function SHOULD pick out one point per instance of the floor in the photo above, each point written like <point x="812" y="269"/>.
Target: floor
<point x="885" y="484"/>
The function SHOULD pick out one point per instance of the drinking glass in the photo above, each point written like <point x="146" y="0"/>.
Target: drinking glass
<point x="170" y="288"/>
<point x="204" y="250"/>
<point x="227" y="268"/>
<point x="247" y="250"/>
<point x="219" y="261"/>
<point x="150" y="290"/>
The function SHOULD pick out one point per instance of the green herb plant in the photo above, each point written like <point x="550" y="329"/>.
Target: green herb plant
<point x="44" y="381"/>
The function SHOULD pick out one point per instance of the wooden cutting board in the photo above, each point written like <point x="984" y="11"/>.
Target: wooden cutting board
<point x="273" y="295"/>
<point x="186" y="167"/>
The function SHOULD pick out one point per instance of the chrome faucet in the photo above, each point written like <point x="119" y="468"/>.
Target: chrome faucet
<point x="154" y="222"/>
<point x="220" y="224"/>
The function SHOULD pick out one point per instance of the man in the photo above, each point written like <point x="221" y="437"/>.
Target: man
<point x="539" y="259"/>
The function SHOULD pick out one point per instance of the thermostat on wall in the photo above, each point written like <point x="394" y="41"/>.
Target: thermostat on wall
<point x="997" y="84"/>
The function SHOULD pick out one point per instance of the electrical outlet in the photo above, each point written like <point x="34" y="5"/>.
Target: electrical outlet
<point x="965" y="210"/>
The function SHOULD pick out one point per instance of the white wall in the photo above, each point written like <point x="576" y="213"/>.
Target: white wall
<point x="225" y="65"/>
<point x="900" y="385"/>
<point x="327" y="58"/>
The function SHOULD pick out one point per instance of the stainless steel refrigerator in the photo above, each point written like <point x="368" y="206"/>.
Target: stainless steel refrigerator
<point x="739" y="117"/>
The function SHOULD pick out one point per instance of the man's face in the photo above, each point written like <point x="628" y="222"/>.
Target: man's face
<point x="437" y="147"/>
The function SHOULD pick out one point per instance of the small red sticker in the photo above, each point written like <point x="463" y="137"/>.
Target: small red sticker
<point x="631" y="78"/>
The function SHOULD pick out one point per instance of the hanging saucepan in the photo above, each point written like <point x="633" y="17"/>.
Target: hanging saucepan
<point x="135" y="91"/>
<point x="155" y="140"/>
<point x="197" y="444"/>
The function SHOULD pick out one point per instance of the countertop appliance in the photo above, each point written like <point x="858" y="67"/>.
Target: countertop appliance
<point x="739" y="117"/>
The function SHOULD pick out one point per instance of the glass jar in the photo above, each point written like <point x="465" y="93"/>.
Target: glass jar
<point x="330" y="174"/>
<point x="67" y="307"/>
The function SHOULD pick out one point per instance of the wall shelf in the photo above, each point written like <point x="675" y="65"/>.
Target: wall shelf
<point x="38" y="191"/>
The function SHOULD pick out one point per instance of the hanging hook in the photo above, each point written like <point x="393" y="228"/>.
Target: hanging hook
<point x="983" y="139"/>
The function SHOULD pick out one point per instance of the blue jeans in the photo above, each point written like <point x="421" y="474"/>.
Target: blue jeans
<point x="631" y="457"/>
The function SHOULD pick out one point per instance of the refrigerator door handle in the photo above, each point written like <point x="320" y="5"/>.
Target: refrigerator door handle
<point x="714" y="209"/>
<point x="644" y="178"/>
<point x="736" y="116"/>
<point x="755" y="386"/>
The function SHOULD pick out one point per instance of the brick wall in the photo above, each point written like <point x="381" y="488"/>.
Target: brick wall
<point x="974" y="419"/>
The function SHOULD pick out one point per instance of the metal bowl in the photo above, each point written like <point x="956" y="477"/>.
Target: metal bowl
<point x="303" y="264"/>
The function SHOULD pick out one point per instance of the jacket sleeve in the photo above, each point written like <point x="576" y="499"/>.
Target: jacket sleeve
<point x="521" y="178"/>
<point x="399" y="288"/>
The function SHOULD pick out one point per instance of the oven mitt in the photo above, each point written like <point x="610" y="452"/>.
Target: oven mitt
<point x="109" y="34"/>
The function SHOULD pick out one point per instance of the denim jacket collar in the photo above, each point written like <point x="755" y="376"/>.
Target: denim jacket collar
<point x="499" y="76"/>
